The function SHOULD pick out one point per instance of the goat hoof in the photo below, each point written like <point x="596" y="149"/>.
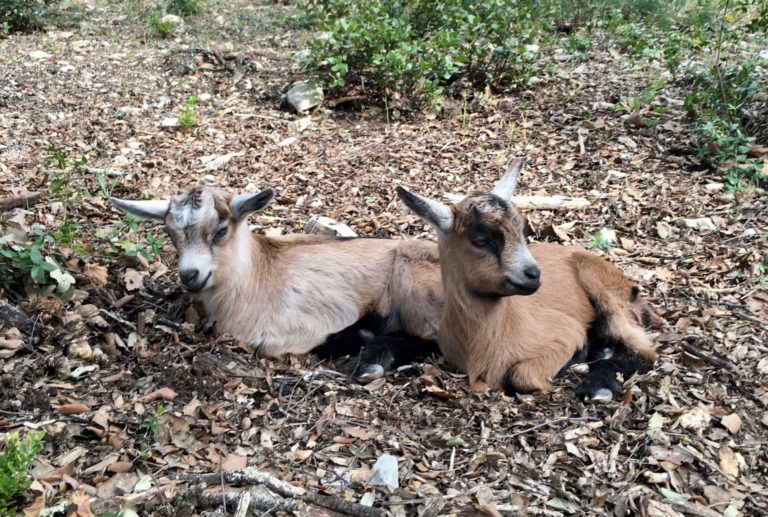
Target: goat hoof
<point x="605" y="353"/>
<point x="366" y="335"/>
<point x="370" y="372"/>
<point x="601" y="395"/>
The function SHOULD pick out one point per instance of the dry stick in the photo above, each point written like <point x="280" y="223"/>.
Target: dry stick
<point x="259" y="501"/>
<point x="547" y="423"/>
<point x="14" y="317"/>
<point x="341" y="100"/>
<point x="253" y="476"/>
<point x="118" y="319"/>
<point x="24" y="200"/>
<point x="243" y="505"/>
<point x="342" y="506"/>
<point x="716" y="361"/>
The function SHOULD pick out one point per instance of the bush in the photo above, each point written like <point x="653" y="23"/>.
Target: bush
<point x="24" y="15"/>
<point x="417" y="47"/>
<point x="15" y="460"/>
<point x="183" y="8"/>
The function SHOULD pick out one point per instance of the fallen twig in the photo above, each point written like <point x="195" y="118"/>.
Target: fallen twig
<point x="341" y="100"/>
<point x="538" y="202"/>
<point x="118" y="319"/>
<point x="546" y="424"/>
<point x="23" y="200"/>
<point x="716" y="361"/>
<point x="257" y="500"/>
<point x="293" y="494"/>
<point x="12" y="316"/>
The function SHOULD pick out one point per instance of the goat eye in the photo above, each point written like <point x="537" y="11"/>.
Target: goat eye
<point x="480" y="243"/>
<point x="220" y="234"/>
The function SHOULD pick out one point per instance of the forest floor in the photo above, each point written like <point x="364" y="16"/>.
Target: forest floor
<point x="130" y="395"/>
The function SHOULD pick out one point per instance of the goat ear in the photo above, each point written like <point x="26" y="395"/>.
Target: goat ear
<point x="149" y="209"/>
<point x="434" y="212"/>
<point x="243" y="204"/>
<point x="505" y="187"/>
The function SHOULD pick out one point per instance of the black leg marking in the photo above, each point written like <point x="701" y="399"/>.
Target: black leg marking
<point x="579" y="357"/>
<point x="384" y="353"/>
<point x="607" y="357"/>
<point x="352" y="339"/>
<point x="602" y="382"/>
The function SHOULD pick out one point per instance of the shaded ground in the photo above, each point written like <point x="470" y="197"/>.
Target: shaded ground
<point x="689" y="437"/>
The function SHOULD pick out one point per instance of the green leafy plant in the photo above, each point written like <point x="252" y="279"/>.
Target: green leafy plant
<point x="15" y="461"/>
<point x="183" y="8"/>
<point x="62" y="176"/>
<point x="24" y="263"/>
<point x="151" y="425"/>
<point x="24" y="15"/>
<point x="159" y="29"/>
<point x="598" y="241"/>
<point x="188" y="118"/>
<point x="148" y="247"/>
<point x="409" y="51"/>
<point x="730" y="149"/>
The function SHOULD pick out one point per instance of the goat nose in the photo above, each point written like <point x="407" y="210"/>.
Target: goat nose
<point x="188" y="276"/>
<point x="532" y="272"/>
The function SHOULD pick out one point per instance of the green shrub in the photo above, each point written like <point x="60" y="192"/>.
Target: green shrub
<point x="157" y="29"/>
<point x="183" y="8"/>
<point x="188" y="117"/>
<point x="24" y="15"/>
<point x="417" y="47"/>
<point x="15" y="461"/>
<point x="22" y="265"/>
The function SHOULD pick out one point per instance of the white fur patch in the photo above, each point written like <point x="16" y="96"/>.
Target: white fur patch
<point x="603" y="394"/>
<point x="189" y="210"/>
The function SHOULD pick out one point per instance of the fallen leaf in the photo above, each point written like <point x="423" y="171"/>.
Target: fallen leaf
<point x="82" y="503"/>
<point x="133" y="279"/>
<point x="439" y="392"/>
<point x="731" y="422"/>
<point x="192" y="408"/>
<point x="77" y="408"/>
<point x="729" y="461"/>
<point x="359" y="432"/>
<point x="384" y="472"/>
<point x="301" y="455"/>
<point x="659" y="509"/>
<point x="234" y="462"/>
<point x="696" y="419"/>
<point x="38" y="505"/>
<point x="164" y="393"/>
<point x="97" y="274"/>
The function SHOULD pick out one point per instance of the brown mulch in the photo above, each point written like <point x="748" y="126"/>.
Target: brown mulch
<point x="131" y="391"/>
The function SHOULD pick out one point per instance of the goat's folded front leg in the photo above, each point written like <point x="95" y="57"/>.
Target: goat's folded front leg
<point x="385" y="353"/>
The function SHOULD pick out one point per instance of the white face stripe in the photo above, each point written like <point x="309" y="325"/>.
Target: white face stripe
<point x="190" y="209"/>
<point x="198" y="258"/>
<point x="524" y="258"/>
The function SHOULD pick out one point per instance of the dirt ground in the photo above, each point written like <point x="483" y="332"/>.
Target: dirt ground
<point x="131" y="394"/>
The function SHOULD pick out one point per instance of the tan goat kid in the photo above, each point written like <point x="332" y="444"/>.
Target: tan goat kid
<point x="515" y="316"/>
<point x="291" y="294"/>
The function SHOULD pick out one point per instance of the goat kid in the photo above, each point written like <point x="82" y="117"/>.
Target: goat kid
<point x="293" y="294"/>
<point x="515" y="316"/>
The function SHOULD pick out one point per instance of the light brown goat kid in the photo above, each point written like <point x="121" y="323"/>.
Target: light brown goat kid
<point x="515" y="316"/>
<point x="290" y="294"/>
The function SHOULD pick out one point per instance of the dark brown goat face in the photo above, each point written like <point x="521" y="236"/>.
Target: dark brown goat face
<point x="200" y="223"/>
<point x="481" y="239"/>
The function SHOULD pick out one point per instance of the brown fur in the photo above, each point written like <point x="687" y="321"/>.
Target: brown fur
<point x="525" y="340"/>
